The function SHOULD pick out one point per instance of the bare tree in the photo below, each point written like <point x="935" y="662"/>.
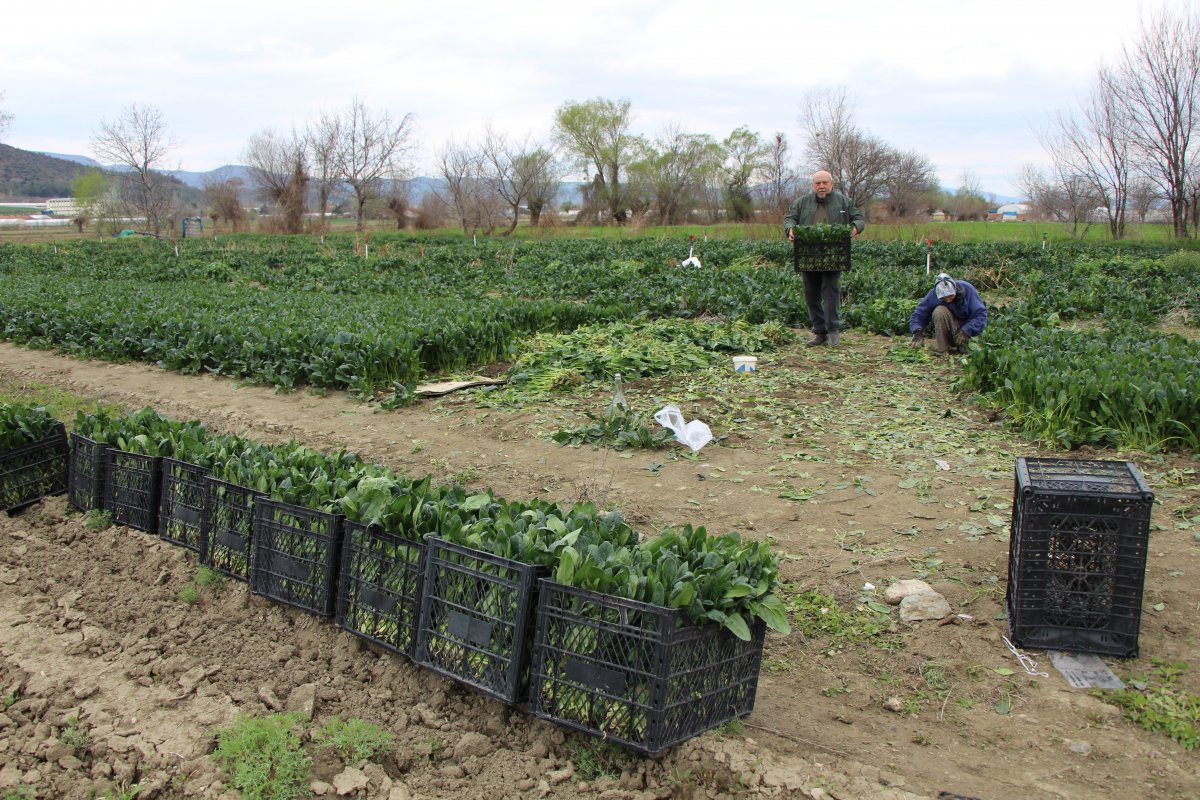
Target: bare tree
<point x="279" y="172"/>
<point x="6" y="119"/>
<point x="225" y="201"/>
<point x="1144" y="197"/>
<point x="780" y="181"/>
<point x="138" y="140"/>
<point x="373" y="145"/>
<point x="322" y="139"/>
<point x="514" y="170"/>
<point x="909" y="179"/>
<point x="399" y="201"/>
<point x="858" y="161"/>
<point x="462" y="167"/>
<point x="1092" y="145"/>
<point x="1064" y="197"/>
<point x="1156" y="83"/>
<point x="968" y="202"/>
<point x="596" y="133"/>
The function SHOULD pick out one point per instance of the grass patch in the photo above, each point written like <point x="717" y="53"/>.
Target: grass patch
<point x="75" y="737"/>
<point x="97" y="520"/>
<point x="354" y="740"/>
<point x="816" y="614"/>
<point x="1162" y="706"/>
<point x="594" y="759"/>
<point x="262" y="757"/>
<point x="63" y="404"/>
<point x="209" y="578"/>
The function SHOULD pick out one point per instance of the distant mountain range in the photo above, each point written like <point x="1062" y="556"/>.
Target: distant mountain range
<point x="418" y="187"/>
<point x="27" y="175"/>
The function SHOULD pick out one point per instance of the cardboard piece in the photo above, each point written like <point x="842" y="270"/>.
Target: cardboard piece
<point x="446" y="387"/>
<point x="1085" y="671"/>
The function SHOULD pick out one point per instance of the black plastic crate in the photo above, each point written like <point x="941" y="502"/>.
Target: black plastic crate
<point x="34" y="470"/>
<point x="131" y="484"/>
<point x="184" y="503"/>
<point x="821" y="256"/>
<point x="85" y="473"/>
<point x="295" y="555"/>
<point x="379" y="586"/>
<point x="1077" y="556"/>
<point x="476" y="619"/>
<point x="227" y="530"/>
<point x="637" y="674"/>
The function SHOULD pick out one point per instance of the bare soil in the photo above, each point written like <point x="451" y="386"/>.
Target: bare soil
<point x="859" y="465"/>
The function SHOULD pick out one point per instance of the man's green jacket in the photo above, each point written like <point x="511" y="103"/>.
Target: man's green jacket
<point x="838" y="208"/>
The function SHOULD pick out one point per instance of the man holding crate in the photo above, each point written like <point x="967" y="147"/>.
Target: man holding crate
<point x="822" y="288"/>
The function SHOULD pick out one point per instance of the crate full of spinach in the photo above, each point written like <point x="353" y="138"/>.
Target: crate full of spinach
<point x="651" y="645"/>
<point x="33" y="455"/>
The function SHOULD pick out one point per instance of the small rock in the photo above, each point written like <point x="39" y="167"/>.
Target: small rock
<point x="399" y="792"/>
<point x="452" y="771"/>
<point x="561" y="775"/>
<point x="1081" y="748"/>
<point x="927" y="605"/>
<point x="525" y="784"/>
<point x="893" y="704"/>
<point x="320" y="788"/>
<point x="349" y="781"/>
<point x="303" y="699"/>
<point x="191" y="679"/>
<point x="902" y="589"/>
<point x="473" y="744"/>
<point x="84" y="691"/>
<point x="269" y="699"/>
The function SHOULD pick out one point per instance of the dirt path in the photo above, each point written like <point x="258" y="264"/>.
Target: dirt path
<point x="836" y="456"/>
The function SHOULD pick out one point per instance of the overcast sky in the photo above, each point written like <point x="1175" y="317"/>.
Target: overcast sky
<point x="965" y="82"/>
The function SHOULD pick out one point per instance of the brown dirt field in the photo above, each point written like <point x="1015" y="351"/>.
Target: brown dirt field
<point x="830" y="454"/>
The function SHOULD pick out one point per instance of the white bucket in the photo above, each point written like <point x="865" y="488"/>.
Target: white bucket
<point x="745" y="363"/>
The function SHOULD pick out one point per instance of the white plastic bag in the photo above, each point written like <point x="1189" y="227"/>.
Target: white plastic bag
<point x="694" y="434"/>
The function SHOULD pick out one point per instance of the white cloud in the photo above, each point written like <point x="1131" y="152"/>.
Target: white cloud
<point x="963" y="83"/>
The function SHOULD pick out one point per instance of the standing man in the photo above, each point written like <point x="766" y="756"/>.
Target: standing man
<point x="822" y="289"/>
<point x="957" y="312"/>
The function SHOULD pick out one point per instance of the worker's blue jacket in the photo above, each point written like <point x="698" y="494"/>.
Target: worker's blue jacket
<point x="967" y="307"/>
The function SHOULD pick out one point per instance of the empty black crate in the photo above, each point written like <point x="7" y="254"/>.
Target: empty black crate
<point x="184" y="503"/>
<point x="475" y="622"/>
<point x="34" y="470"/>
<point x="131" y="484"/>
<point x="1077" y="556"/>
<point x="821" y="256"/>
<point x="295" y="555"/>
<point x="379" y="586"/>
<point x="227" y="530"/>
<point x="637" y="674"/>
<point x="86" y="469"/>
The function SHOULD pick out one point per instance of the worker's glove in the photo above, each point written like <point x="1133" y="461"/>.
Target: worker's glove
<point x="917" y="340"/>
<point x="961" y="339"/>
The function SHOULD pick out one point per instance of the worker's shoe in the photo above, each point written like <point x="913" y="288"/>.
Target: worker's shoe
<point x="817" y="340"/>
<point x="832" y="338"/>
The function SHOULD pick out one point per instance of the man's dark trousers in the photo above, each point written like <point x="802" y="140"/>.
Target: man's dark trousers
<point x="821" y="294"/>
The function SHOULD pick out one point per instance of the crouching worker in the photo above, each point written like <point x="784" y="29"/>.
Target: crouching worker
<point x="957" y="313"/>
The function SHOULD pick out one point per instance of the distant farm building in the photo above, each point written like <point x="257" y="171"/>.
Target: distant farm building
<point x="62" y="207"/>
<point x="1010" y="212"/>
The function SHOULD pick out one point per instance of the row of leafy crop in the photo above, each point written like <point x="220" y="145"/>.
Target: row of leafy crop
<point x="1122" y="385"/>
<point x="279" y="337"/>
<point x="741" y="279"/>
<point x="709" y="578"/>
